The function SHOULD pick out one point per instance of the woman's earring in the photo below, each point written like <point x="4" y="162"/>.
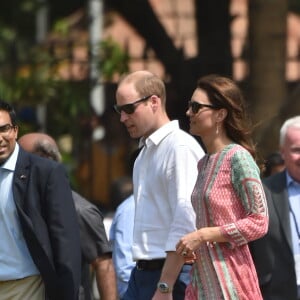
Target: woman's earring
<point x="217" y="130"/>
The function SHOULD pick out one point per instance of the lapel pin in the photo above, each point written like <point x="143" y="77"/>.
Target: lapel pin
<point x="23" y="176"/>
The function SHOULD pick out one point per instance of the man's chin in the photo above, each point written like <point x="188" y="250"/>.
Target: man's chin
<point x="2" y="159"/>
<point x="133" y="134"/>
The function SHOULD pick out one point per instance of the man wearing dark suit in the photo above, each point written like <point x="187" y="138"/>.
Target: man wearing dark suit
<point x="95" y="248"/>
<point x="277" y="255"/>
<point x="39" y="249"/>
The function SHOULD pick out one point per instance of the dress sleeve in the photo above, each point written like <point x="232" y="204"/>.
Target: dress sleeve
<point x="246" y="182"/>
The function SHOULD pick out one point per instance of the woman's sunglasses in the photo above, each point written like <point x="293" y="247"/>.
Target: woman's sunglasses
<point x="130" y="107"/>
<point x="195" y="106"/>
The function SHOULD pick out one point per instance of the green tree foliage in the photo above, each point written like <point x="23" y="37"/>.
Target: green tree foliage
<point x="28" y="75"/>
<point x="113" y="60"/>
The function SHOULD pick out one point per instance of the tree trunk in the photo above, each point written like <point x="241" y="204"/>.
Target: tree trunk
<point x="213" y="27"/>
<point x="267" y="84"/>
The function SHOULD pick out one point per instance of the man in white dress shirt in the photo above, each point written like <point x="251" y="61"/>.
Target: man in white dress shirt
<point x="163" y="178"/>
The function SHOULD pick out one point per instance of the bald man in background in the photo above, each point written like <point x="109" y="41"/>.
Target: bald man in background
<point x="95" y="247"/>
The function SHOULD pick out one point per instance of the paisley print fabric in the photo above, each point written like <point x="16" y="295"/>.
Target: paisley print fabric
<point x="228" y="193"/>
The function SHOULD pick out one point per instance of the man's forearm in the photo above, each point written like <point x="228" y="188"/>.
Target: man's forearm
<point x="169" y="275"/>
<point x="172" y="268"/>
<point x="106" y="278"/>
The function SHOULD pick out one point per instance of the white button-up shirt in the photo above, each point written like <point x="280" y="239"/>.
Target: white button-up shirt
<point x="164" y="176"/>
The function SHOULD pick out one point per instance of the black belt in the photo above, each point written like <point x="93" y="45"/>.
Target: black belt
<point x="150" y="265"/>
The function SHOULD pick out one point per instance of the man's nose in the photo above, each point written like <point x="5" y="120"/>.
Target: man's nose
<point x="123" y="116"/>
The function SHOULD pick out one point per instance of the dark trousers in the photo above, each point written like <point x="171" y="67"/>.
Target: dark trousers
<point x="142" y="284"/>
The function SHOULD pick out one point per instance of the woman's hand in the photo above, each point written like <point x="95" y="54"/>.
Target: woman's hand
<point x="188" y="244"/>
<point x="191" y="242"/>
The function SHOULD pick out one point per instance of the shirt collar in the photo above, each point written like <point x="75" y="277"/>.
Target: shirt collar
<point x="10" y="163"/>
<point x="290" y="180"/>
<point x="157" y="136"/>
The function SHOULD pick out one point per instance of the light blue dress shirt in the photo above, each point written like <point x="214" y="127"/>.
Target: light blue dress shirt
<point x="294" y="202"/>
<point x="15" y="259"/>
<point x="121" y="233"/>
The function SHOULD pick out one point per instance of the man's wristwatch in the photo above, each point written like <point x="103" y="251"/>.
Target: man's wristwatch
<point x="163" y="287"/>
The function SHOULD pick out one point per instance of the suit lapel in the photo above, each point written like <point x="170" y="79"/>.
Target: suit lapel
<point x="281" y="204"/>
<point x="20" y="183"/>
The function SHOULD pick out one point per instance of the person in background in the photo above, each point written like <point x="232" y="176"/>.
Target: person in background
<point x="120" y="189"/>
<point x="95" y="249"/>
<point x="273" y="164"/>
<point x="163" y="177"/>
<point x="121" y="235"/>
<point x="277" y="255"/>
<point x="39" y="249"/>
<point x="228" y="197"/>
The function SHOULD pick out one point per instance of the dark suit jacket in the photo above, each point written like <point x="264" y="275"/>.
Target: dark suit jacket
<point x="273" y="254"/>
<point x="46" y="211"/>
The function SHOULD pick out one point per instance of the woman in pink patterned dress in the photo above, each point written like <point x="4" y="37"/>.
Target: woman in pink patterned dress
<point x="228" y="197"/>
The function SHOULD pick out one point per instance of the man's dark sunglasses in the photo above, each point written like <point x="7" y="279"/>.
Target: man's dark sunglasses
<point x="130" y="107"/>
<point x="195" y="106"/>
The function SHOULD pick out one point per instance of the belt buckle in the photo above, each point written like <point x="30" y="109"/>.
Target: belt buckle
<point x="139" y="266"/>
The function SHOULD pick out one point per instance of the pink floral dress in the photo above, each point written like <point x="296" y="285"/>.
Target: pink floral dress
<point x="228" y="193"/>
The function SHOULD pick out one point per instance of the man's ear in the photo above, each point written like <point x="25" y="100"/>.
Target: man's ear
<point x="155" y="100"/>
<point x="17" y="131"/>
<point x="281" y="152"/>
